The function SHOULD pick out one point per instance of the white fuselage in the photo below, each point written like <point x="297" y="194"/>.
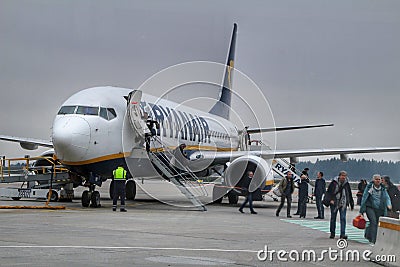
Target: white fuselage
<point x="91" y="132"/>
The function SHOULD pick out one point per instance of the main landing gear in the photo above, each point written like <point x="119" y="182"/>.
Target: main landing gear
<point x="130" y="190"/>
<point x="91" y="197"/>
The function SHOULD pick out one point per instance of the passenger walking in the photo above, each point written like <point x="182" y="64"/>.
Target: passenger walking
<point x="394" y="195"/>
<point x="303" y="196"/>
<point x="361" y="187"/>
<point x="340" y="197"/>
<point x="303" y="172"/>
<point x="119" y="175"/>
<point x="249" y="196"/>
<point x="319" y="191"/>
<point x="375" y="203"/>
<point x="286" y="188"/>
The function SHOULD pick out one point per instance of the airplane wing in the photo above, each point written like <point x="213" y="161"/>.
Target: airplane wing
<point x="285" y="128"/>
<point x="222" y="157"/>
<point x="27" y="143"/>
<point x="333" y="151"/>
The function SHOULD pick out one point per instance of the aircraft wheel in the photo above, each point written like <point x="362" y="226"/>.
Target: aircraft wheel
<point x="54" y="196"/>
<point x="111" y="189"/>
<point x="85" y="198"/>
<point x="95" y="198"/>
<point x="233" y="198"/>
<point x="130" y="190"/>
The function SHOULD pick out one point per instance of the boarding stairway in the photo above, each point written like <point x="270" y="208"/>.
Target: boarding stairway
<point x="183" y="178"/>
<point x="282" y="166"/>
<point x="180" y="175"/>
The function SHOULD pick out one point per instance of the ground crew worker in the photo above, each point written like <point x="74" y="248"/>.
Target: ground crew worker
<point x="119" y="175"/>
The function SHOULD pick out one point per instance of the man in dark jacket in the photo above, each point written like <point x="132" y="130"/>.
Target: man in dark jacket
<point x="304" y="172"/>
<point x="249" y="197"/>
<point x="286" y="187"/>
<point x="361" y="187"/>
<point x="303" y="196"/>
<point x="340" y="197"/>
<point x="319" y="191"/>
<point x="394" y="195"/>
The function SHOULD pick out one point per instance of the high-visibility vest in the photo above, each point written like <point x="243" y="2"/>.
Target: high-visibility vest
<point x="119" y="174"/>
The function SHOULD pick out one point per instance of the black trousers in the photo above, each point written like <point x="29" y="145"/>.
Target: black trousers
<point x="119" y="192"/>
<point x="289" y="203"/>
<point x="249" y="199"/>
<point x="303" y="206"/>
<point x="320" y="206"/>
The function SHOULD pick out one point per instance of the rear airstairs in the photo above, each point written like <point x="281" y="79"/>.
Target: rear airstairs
<point x="281" y="167"/>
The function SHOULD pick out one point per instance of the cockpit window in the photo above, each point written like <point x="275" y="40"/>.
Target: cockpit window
<point x="67" y="110"/>
<point x="105" y="113"/>
<point x="111" y="113"/>
<point x="87" y="110"/>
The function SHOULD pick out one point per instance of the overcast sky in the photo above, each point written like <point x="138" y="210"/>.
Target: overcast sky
<point x="315" y="61"/>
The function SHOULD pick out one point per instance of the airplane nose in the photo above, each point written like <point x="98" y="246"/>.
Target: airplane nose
<point x="71" y="138"/>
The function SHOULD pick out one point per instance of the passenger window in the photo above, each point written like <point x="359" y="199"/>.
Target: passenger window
<point x="103" y="113"/>
<point x="87" y="110"/>
<point x="66" y="110"/>
<point x="111" y="113"/>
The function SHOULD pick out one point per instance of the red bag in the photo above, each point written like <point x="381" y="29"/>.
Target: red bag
<point x="359" y="222"/>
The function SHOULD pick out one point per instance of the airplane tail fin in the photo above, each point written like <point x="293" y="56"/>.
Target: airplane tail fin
<point x="222" y="107"/>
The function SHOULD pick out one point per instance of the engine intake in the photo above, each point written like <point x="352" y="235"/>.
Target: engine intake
<point x="238" y="169"/>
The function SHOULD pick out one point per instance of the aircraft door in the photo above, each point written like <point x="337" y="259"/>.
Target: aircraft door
<point x="136" y="118"/>
<point x="244" y="140"/>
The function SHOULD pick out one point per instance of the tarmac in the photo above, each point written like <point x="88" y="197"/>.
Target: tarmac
<point x="152" y="233"/>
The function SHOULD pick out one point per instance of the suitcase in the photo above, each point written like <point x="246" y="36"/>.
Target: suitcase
<point x="359" y="222"/>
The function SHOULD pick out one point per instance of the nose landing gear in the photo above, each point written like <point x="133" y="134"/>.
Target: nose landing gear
<point x="91" y="197"/>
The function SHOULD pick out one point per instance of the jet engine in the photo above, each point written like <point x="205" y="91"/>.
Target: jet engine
<point x="238" y="169"/>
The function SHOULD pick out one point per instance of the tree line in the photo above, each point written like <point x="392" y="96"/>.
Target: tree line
<point x="357" y="169"/>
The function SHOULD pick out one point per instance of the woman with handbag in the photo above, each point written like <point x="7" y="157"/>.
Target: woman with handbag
<point x="375" y="203"/>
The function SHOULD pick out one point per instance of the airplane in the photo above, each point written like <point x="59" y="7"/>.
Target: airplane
<point x="99" y="128"/>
